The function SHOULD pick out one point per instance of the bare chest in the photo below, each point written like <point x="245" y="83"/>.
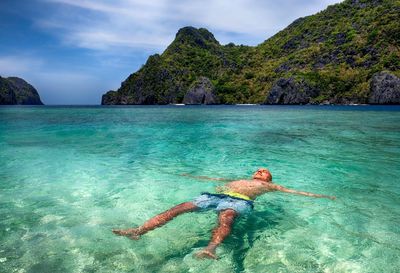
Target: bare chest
<point x="250" y="188"/>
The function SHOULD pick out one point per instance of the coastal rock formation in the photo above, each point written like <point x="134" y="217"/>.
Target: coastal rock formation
<point x="326" y="58"/>
<point x="385" y="89"/>
<point x="201" y="92"/>
<point x="288" y="91"/>
<point x="15" y="90"/>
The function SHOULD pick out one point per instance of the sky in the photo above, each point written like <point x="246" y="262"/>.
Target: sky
<point x="73" y="51"/>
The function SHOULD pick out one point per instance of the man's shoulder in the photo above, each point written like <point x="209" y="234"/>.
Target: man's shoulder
<point x="241" y="180"/>
<point x="276" y="186"/>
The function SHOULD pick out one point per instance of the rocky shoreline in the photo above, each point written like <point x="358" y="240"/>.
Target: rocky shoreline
<point x="384" y="88"/>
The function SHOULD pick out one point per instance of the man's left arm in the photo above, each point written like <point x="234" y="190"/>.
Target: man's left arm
<point x="283" y="189"/>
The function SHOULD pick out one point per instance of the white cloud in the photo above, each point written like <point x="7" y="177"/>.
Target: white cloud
<point x="136" y="24"/>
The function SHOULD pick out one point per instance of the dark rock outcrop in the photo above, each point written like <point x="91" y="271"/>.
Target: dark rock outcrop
<point x="385" y="89"/>
<point x="289" y="91"/>
<point x="363" y="4"/>
<point x="110" y="98"/>
<point x="201" y="92"/>
<point x="15" y="90"/>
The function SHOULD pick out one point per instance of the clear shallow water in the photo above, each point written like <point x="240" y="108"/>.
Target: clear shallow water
<point x="70" y="175"/>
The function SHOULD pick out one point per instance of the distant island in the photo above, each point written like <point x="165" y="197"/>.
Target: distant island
<point x="347" y="54"/>
<point x="15" y="90"/>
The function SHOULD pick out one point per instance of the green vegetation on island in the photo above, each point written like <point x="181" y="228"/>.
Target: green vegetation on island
<point x="344" y="54"/>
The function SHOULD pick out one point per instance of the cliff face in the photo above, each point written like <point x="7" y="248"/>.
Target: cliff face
<point x="330" y="57"/>
<point x="385" y="89"/>
<point x="288" y="91"/>
<point x="201" y="92"/>
<point x="15" y="90"/>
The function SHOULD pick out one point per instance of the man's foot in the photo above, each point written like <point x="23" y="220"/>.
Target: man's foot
<point x="205" y="253"/>
<point x="131" y="233"/>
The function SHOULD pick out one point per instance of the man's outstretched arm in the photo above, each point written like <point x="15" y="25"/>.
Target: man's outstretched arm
<point x="283" y="189"/>
<point x="206" y="177"/>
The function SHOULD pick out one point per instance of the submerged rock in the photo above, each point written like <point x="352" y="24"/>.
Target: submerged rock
<point x="289" y="91"/>
<point x="15" y="90"/>
<point x="202" y="91"/>
<point x="385" y="89"/>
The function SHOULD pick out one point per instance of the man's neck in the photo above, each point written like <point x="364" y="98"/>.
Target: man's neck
<point x="261" y="180"/>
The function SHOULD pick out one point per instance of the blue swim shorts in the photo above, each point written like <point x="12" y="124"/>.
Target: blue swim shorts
<point x="220" y="202"/>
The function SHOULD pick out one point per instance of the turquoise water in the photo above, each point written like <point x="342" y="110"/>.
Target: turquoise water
<point x="69" y="175"/>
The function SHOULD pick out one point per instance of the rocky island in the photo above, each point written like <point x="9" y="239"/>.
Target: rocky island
<point x="15" y="90"/>
<point x="347" y="54"/>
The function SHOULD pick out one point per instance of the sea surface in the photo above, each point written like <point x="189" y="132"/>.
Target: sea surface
<point x="69" y="175"/>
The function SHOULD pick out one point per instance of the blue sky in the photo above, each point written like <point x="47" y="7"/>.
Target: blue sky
<point x="73" y="51"/>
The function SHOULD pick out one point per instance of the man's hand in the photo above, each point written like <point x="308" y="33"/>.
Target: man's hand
<point x="324" y="196"/>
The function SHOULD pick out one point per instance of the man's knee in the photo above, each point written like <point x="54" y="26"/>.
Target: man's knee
<point x="228" y="213"/>
<point x="227" y="217"/>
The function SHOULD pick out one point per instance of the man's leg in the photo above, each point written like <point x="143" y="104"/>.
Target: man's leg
<point x="156" y="221"/>
<point x="223" y="229"/>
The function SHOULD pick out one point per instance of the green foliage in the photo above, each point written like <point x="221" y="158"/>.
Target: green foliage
<point x="392" y="61"/>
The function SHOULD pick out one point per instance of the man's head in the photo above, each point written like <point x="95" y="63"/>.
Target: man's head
<point x="263" y="174"/>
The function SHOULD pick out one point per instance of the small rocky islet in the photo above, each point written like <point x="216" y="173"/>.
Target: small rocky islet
<point x="348" y="53"/>
<point x="14" y="90"/>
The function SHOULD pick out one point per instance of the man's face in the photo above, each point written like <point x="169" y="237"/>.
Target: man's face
<point x="262" y="174"/>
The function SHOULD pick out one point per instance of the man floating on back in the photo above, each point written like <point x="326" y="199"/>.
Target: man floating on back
<point x="231" y="200"/>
